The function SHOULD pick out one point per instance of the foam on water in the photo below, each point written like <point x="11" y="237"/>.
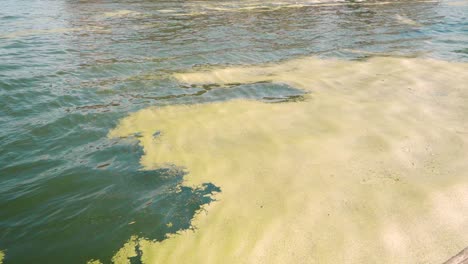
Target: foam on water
<point x="371" y="167"/>
<point x="120" y="13"/>
<point x="204" y="7"/>
<point x="407" y="21"/>
<point x="458" y="3"/>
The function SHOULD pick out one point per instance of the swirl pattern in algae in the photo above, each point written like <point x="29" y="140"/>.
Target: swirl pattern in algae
<point x="369" y="168"/>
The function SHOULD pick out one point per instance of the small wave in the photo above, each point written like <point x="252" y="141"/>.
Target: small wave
<point x="25" y="33"/>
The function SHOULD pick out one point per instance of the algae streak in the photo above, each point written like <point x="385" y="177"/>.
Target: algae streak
<point x="370" y="168"/>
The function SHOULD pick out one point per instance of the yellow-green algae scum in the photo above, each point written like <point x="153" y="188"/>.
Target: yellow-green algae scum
<point x="2" y="255"/>
<point x="370" y="168"/>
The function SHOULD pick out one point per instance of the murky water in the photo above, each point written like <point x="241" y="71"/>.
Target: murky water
<point x="305" y="131"/>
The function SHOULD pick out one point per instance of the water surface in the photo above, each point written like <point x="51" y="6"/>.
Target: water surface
<point x="71" y="71"/>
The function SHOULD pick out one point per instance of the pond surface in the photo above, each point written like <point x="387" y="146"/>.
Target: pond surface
<point x="72" y="185"/>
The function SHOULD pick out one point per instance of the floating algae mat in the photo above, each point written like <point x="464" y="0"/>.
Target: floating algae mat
<point x="369" y="168"/>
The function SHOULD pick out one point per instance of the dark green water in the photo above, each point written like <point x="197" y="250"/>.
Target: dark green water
<point x="69" y="70"/>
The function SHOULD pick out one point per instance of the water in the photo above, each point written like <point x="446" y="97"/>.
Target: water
<point x="70" y="71"/>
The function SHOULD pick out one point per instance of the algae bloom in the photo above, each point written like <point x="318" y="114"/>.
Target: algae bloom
<point x="369" y="168"/>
